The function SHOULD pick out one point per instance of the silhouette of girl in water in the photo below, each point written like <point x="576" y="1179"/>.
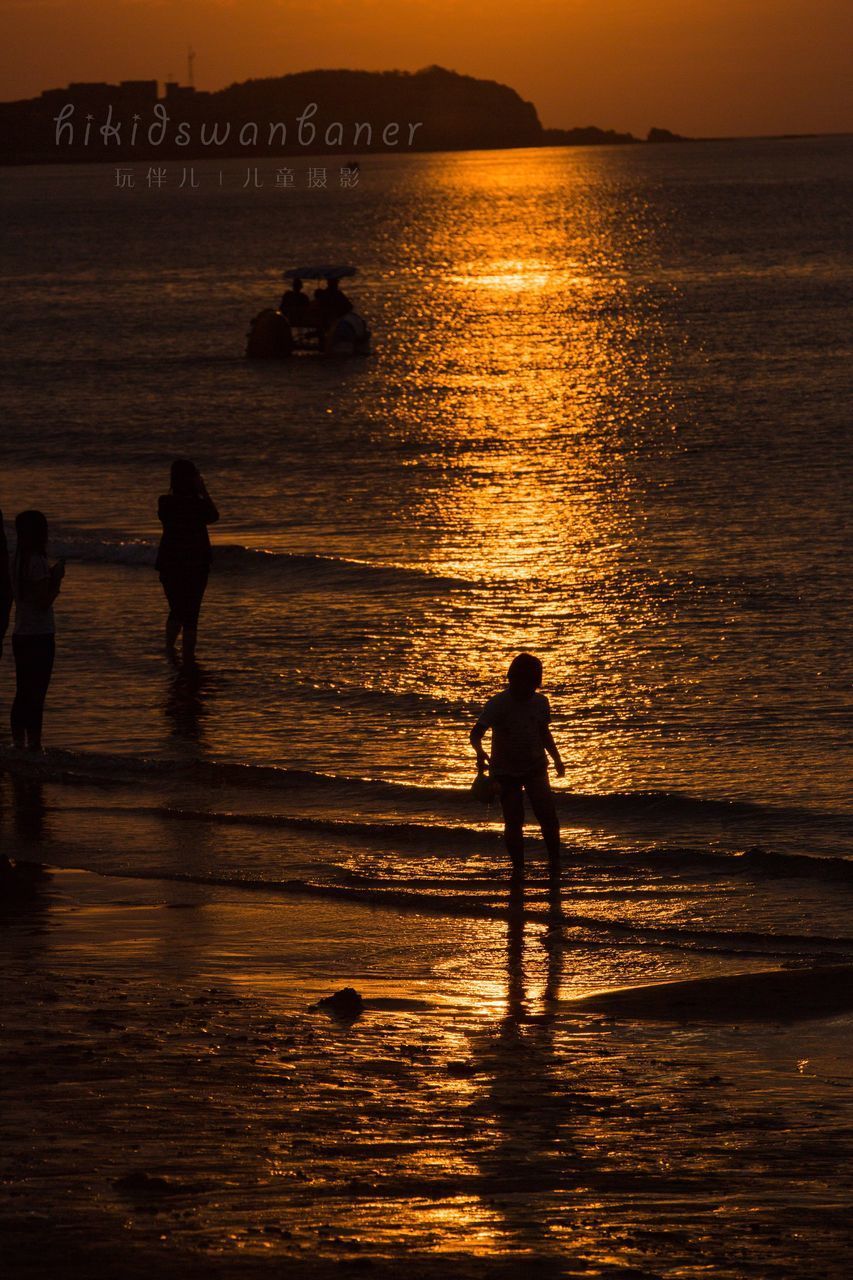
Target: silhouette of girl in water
<point x="184" y="555"/>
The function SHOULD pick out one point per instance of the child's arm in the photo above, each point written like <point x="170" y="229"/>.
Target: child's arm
<point x="477" y="735"/>
<point x="44" y="590"/>
<point x="553" y="751"/>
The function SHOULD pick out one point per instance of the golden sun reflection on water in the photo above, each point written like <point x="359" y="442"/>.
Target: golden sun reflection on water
<point x="534" y="473"/>
<point x="509" y="276"/>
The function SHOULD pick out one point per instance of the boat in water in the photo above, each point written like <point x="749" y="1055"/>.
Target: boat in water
<point x="323" y="324"/>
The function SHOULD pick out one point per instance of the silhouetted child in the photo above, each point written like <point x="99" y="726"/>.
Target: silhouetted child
<point x="184" y="556"/>
<point x="521" y="744"/>
<point x="36" y="584"/>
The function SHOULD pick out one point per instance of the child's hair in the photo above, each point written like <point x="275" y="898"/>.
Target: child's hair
<point x="184" y="477"/>
<point x="525" y="671"/>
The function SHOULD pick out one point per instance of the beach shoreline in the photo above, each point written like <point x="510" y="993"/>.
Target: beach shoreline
<point x="178" y="1103"/>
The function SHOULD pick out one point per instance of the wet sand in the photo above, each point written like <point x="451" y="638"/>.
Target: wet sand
<point x="174" y="1102"/>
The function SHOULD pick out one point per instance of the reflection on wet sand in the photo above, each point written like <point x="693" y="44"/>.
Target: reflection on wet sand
<point x="523" y="1092"/>
<point x="202" y="1104"/>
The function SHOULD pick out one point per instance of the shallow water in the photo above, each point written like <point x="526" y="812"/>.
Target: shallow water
<point x="605" y="420"/>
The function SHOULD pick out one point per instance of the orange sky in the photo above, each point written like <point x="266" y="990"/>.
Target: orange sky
<point x="696" y="66"/>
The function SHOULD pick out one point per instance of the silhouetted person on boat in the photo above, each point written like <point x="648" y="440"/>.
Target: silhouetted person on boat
<point x="5" y="585"/>
<point x="184" y="556"/>
<point x="521" y="743"/>
<point x="36" y="584"/>
<point x="295" y="305"/>
<point x="332" y="302"/>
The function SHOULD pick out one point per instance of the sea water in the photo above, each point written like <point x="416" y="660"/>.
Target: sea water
<point x="605" y="420"/>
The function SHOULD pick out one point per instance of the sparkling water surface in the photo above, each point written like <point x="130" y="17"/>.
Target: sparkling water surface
<point x="605" y="421"/>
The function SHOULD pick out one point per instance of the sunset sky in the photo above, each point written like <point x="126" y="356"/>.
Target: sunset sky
<point x="696" y="66"/>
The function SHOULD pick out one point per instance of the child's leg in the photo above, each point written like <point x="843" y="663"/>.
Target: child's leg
<point x="173" y="630"/>
<point x="22" y="701"/>
<point x="542" y="802"/>
<point x="512" y="804"/>
<point x="44" y="650"/>
<point x="173" y="621"/>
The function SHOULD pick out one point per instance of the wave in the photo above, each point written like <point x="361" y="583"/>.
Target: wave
<point x="113" y="547"/>
<point x="334" y="569"/>
<point x="110" y="546"/>
<point x="445" y="839"/>
<point x="219" y="771"/>
<point x="470" y="906"/>
<point x="103" y="548"/>
<point x="444" y="820"/>
<point x="405" y="701"/>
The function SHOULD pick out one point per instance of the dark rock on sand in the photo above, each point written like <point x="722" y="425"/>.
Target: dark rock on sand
<point x="346" y="1003"/>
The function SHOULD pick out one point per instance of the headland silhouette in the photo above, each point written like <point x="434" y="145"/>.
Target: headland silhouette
<point x="306" y="113"/>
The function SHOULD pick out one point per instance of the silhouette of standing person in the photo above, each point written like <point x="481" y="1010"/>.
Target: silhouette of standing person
<point x="521" y="743"/>
<point x="184" y="555"/>
<point x="35" y="584"/>
<point x="5" y="585"/>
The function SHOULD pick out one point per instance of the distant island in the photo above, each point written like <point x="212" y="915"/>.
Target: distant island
<point x="308" y="113"/>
